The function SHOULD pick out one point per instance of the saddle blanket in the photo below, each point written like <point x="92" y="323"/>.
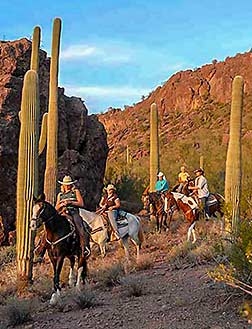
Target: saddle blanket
<point x="122" y="223"/>
<point x="186" y="199"/>
<point x="211" y="200"/>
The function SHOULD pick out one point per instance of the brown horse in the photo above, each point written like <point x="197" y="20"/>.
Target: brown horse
<point x="154" y="202"/>
<point x="178" y="201"/>
<point x="214" y="202"/>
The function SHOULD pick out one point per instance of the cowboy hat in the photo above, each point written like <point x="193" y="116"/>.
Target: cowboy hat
<point x="67" y="180"/>
<point x="160" y="174"/>
<point x="110" y="187"/>
<point x="199" y="170"/>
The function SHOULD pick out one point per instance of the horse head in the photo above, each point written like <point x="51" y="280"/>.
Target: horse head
<point x="185" y="189"/>
<point x="42" y="211"/>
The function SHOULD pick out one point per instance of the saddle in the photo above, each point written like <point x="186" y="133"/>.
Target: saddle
<point x="211" y="200"/>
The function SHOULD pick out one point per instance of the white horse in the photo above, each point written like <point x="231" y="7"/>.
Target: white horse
<point x="99" y="234"/>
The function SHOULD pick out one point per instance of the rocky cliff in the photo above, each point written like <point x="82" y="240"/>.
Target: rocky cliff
<point x="194" y="107"/>
<point x="183" y="95"/>
<point x="82" y="142"/>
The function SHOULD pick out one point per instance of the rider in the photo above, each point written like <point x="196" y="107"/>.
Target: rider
<point x="111" y="203"/>
<point x="161" y="184"/>
<point x="70" y="198"/>
<point x="202" y="188"/>
<point x="182" y="178"/>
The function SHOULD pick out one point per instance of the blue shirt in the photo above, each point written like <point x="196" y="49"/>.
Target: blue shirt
<point x="162" y="185"/>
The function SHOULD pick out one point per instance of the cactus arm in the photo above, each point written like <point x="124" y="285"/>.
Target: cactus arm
<point x="234" y="160"/>
<point x="202" y="162"/>
<point x="43" y="133"/>
<point x="35" y="49"/>
<point x="154" y="146"/>
<point x="52" y="128"/>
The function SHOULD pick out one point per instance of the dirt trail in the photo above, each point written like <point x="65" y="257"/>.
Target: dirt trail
<point x="184" y="298"/>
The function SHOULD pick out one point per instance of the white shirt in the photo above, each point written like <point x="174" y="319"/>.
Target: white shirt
<point x="201" y="182"/>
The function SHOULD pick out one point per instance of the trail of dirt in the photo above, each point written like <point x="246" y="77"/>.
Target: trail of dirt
<point x="172" y="299"/>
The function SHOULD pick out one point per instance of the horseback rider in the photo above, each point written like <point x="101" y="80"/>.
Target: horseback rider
<point x="182" y="178"/>
<point x="201" y="186"/>
<point x="161" y="184"/>
<point x="111" y="203"/>
<point x="68" y="202"/>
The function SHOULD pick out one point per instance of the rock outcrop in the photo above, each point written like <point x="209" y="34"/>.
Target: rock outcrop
<point x="82" y="142"/>
<point x="180" y="97"/>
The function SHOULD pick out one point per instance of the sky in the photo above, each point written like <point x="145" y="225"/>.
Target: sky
<point x="115" y="51"/>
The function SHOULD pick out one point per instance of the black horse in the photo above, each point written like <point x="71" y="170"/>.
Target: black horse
<point x="61" y="241"/>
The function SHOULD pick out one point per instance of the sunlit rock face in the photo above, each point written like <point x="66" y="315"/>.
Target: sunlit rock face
<point x="82" y="145"/>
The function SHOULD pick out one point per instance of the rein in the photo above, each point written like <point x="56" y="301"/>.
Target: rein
<point x="53" y="243"/>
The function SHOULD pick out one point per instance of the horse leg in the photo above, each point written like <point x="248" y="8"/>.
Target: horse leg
<point x="81" y="272"/>
<point x="71" y="273"/>
<point x="126" y="247"/>
<point x="158" y="223"/>
<point x="190" y="230"/>
<point x="102" y="246"/>
<point x="57" y="270"/>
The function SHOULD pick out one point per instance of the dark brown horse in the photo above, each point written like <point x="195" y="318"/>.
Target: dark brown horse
<point x="154" y="203"/>
<point x="214" y="202"/>
<point x="61" y="243"/>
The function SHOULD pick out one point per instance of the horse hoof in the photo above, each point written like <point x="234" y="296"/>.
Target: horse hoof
<point x="55" y="298"/>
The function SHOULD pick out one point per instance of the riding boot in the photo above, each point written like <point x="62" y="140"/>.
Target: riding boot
<point x="83" y="236"/>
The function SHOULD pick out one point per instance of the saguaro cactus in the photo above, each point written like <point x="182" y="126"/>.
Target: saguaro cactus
<point x="52" y="123"/>
<point x="27" y="182"/>
<point x="154" y="146"/>
<point x="202" y="162"/>
<point x="233" y="162"/>
<point x="35" y="49"/>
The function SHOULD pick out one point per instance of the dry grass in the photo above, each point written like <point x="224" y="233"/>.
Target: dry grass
<point x="109" y="275"/>
<point x="18" y="312"/>
<point x="133" y="287"/>
<point x="85" y="299"/>
<point x="144" y="262"/>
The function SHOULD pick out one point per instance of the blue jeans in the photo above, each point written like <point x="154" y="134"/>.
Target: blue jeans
<point x="112" y="215"/>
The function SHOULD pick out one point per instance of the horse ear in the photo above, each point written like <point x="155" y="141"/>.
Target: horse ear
<point x="40" y="198"/>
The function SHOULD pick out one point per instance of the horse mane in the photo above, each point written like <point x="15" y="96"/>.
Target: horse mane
<point x="146" y="191"/>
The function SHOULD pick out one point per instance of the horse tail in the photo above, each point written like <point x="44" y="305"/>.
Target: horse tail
<point x="221" y="197"/>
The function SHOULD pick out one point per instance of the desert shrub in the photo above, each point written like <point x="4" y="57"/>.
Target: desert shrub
<point x="133" y="287"/>
<point x="85" y="299"/>
<point x="7" y="255"/>
<point x="18" y="312"/>
<point x="236" y="268"/>
<point x="144" y="262"/>
<point x="110" y="276"/>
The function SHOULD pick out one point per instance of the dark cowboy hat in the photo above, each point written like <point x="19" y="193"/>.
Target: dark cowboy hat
<point x="199" y="170"/>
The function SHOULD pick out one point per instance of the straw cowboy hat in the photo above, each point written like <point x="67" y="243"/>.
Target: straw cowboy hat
<point x="67" y="180"/>
<point x="110" y="187"/>
<point x="160" y="174"/>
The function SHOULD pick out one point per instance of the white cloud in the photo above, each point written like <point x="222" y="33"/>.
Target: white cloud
<point x="78" y="51"/>
<point x="109" y="54"/>
<point x="107" y="91"/>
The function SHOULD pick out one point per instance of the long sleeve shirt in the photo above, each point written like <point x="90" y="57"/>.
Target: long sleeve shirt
<point x="162" y="185"/>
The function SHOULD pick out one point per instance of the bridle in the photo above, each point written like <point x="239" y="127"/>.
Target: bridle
<point x="53" y="243"/>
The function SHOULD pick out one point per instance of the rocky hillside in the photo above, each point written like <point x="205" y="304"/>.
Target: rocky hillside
<point x="82" y="138"/>
<point x="194" y="110"/>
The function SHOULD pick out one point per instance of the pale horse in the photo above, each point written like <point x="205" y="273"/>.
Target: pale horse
<point x="99" y="234"/>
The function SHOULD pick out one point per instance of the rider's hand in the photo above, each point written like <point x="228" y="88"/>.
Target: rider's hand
<point x="110" y="208"/>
